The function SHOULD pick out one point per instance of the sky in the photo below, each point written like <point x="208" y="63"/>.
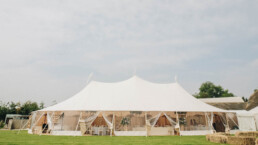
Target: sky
<point x="48" y="48"/>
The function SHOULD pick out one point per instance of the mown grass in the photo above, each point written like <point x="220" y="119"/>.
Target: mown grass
<point x="23" y="138"/>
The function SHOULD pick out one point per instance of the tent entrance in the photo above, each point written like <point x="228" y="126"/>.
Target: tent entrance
<point x="218" y="123"/>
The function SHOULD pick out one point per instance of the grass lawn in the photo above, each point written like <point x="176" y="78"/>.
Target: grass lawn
<point x="12" y="138"/>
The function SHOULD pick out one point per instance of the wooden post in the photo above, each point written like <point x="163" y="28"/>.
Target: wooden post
<point x="78" y="121"/>
<point x="146" y="124"/>
<point x="114" y="127"/>
<point x="227" y="130"/>
<point x="113" y="118"/>
<point x="178" y="123"/>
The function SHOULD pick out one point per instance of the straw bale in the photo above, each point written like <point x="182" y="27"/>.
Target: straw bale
<point x="222" y="133"/>
<point x="247" y="133"/>
<point x="208" y="136"/>
<point x="241" y="140"/>
<point x="217" y="138"/>
<point x="256" y="142"/>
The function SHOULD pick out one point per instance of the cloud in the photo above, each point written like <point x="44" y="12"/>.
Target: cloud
<point x="48" y="48"/>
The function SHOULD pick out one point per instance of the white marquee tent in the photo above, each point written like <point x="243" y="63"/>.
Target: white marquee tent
<point x="134" y="94"/>
<point x="254" y="111"/>
<point x="246" y="120"/>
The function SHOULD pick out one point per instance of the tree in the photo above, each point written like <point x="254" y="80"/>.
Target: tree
<point x="41" y="105"/>
<point x="209" y="90"/>
<point x="28" y="107"/>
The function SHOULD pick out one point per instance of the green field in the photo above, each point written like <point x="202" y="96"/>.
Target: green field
<point x="12" y="138"/>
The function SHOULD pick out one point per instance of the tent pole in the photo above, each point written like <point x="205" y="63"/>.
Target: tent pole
<point x="78" y="122"/>
<point x="111" y="131"/>
<point x="146" y="124"/>
<point x="228" y="130"/>
<point x="52" y="127"/>
<point x="114" y="123"/>
<point x="206" y="118"/>
<point x="178" y="123"/>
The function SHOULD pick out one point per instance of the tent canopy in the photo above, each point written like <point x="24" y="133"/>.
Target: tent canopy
<point x="134" y="94"/>
<point x="254" y="110"/>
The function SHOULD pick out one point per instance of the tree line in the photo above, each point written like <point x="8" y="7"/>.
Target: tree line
<point x="19" y="108"/>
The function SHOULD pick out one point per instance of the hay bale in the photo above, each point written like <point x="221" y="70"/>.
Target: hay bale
<point x="241" y="140"/>
<point x="217" y="138"/>
<point x="247" y="133"/>
<point x="256" y="142"/>
<point x="222" y="133"/>
<point x="208" y="136"/>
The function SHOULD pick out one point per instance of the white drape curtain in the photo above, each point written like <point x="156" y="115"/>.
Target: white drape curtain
<point x="152" y="121"/>
<point x="223" y="119"/>
<point x="49" y="119"/>
<point x="88" y="121"/>
<point x="231" y="117"/>
<point x="109" y="123"/>
<point x="209" y="119"/>
<point x="172" y="122"/>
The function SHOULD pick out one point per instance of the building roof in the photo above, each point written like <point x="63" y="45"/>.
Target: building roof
<point x="223" y="100"/>
<point x="134" y="94"/>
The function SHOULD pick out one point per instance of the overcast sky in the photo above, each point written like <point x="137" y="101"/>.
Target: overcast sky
<point x="49" y="48"/>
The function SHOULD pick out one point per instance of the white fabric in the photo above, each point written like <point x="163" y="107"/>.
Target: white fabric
<point x="161" y="131"/>
<point x="256" y="121"/>
<point x="49" y="120"/>
<point x="231" y="117"/>
<point x="130" y="133"/>
<point x="223" y="120"/>
<point x="88" y="121"/>
<point x="134" y="94"/>
<point x="97" y="130"/>
<point x="196" y="132"/>
<point x="171" y="121"/>
<point x="246" y="123"/>
<point x="109" y="123"/>
<point x="152" y="121"/>
<point x="254" y="111"/>
<point x="246" y="120"/>
<point x="223" y="100"/>
<point x="209" y="120"/>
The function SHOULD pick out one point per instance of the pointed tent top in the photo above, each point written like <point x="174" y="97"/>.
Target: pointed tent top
<point x="133" y="94"/>
<point x="89" y="78"/>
